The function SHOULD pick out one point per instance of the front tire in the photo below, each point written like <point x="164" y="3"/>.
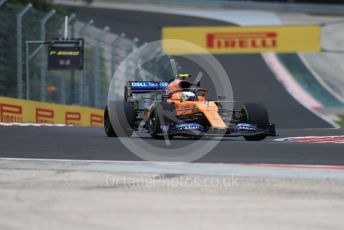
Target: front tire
<point x="154" y="127"/>
<point x="256" y="114"/>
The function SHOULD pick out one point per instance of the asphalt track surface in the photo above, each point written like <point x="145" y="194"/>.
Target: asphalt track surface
<point x="92" y="144"/>
<point x="251" y="80"/>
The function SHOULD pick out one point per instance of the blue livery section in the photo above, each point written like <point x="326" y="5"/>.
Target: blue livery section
<point x="193" y="129"/>
<point x="187" y="126"/>
<point x="244" y="127"/>
<point x="147" y="86"/>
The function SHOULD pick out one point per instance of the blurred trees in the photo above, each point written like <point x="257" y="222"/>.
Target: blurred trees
<point x="41" y="5"/>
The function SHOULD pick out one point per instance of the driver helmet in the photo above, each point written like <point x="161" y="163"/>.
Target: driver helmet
<point x="188" y="96"/>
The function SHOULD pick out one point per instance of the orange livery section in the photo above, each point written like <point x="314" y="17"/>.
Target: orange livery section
<point x="185" y="107"/>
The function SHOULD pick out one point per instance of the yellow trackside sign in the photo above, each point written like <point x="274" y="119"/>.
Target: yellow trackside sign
<point x="233" y="39"/>
<point x="23" y="111"/>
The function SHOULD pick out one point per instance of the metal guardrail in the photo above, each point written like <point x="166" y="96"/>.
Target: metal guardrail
<point x="104" y="52"/>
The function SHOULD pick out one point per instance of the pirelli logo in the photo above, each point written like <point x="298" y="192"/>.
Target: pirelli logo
<point x="11" y="113"/>
<point x="72" y="118"/>
<point x="236" y="40"/>
<point x="45" y="116"/>
<point x="96" y="120"/>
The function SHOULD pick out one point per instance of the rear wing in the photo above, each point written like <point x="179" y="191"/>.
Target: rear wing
<point x="141" y="87"/>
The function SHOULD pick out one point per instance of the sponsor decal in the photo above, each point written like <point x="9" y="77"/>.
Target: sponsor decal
<point x="242" y="40"/>
<point x="11" y="113"/>
<point x="72" y="118"/>
<point x="148" y="85"/>
<point x="246" y="127"/>
<point x="96" y="120"/>
<point x="163" y="85"/>
<point x="188" y="126"/>
<point x="237" y="39"/>
<point x="44" y="116"/>
<point x="314" y="139"/>
<point x="143" y="85"/>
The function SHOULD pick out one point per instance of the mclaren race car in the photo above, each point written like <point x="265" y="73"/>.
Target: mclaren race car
<point x="181" y="108"/>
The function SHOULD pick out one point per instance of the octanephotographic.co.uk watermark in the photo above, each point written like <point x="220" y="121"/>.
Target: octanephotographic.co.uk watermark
<point x="163" y="181"/>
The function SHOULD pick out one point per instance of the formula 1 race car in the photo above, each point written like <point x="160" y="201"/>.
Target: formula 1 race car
<point x="180" y="108"/>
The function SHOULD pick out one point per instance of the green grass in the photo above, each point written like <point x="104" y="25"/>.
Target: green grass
<point x="341" y="121"/>
<point x="307" y="81"/>
<point x="41" y="5"/>
<point x="324" y="14"/>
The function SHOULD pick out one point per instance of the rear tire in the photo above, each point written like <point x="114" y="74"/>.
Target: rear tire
<point x="107" y="124"/>
<point x="122" y="118"/>
<point x="256" y="114"/>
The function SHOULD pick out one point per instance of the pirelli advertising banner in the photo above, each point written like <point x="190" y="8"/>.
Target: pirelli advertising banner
<point x="233" y="39"/>
<point x="23" y="111"/>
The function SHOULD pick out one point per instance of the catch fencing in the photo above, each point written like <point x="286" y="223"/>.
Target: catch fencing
<point x="104" y="51"/>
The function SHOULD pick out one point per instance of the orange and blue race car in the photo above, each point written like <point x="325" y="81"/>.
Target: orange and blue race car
<point x="181" y="108"/>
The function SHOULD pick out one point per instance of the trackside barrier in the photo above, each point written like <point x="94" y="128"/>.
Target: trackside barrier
<point x="24" y="111"/>
<point x="23" y="62"/>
